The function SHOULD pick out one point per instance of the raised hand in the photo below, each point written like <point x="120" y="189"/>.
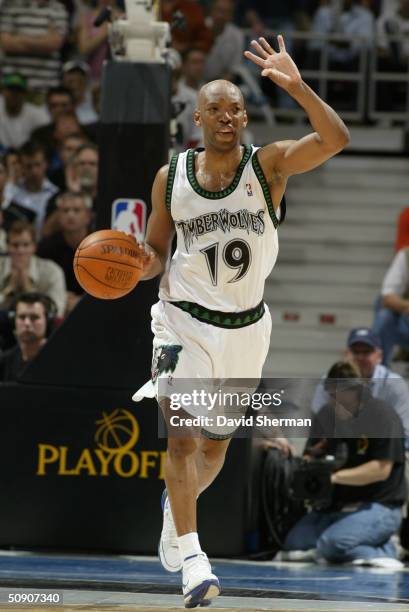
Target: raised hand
<point x="279" y="67"/>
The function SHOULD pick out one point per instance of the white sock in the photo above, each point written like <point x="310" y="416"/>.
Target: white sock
<point x="189" y="545"/>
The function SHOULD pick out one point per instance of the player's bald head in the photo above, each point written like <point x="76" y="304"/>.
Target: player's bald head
<point x="219" y="89"/>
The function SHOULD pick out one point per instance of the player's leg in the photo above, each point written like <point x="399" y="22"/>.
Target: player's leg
<point x="210" y="458"/>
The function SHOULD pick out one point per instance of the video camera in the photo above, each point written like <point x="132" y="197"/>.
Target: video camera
<point x="137" y="36"/>
<point x="311" y="478"/>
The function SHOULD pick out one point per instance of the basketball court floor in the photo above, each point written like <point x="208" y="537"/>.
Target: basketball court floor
<point x="123" y="583"/>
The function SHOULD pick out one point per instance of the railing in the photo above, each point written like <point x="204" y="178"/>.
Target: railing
<point x="365" y="84"/>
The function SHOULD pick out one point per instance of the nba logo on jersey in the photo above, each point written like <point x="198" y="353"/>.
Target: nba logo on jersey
<point x="249" y="189"/>
<point x="129" y="215"/>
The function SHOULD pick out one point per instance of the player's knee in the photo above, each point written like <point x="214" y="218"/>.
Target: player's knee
<point x="213" y="451"/>
<point x="180" y="448"/>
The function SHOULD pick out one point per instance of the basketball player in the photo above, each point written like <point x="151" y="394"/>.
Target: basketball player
<point x="211" y="321"/>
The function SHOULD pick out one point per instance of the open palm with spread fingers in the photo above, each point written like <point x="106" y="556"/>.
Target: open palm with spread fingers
<point x="279" y="67"/>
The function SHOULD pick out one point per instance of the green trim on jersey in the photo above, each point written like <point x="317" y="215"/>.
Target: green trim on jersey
<point x="266" y="190"/>
<point x="215" y="195"/>
<point x="171" y="179"/>
<point x="228" y="320"/>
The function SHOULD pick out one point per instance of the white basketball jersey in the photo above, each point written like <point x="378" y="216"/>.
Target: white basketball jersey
<point x="227" y="241"/>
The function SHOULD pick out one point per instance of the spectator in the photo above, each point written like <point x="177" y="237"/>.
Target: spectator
<point x="402" y="230"/>
<point x="67" y="148"/>
<point x="74" y="212"/>
<point x="194" y="32"/>
<point x="369" y="489"/>
<point x="75" y="78"/>
<point x="18" y="118"/>
<point x="184" y="99"/>
<point x="228" y="42"/>
<point x="33" y="313"/>
<point x="31" y="194"/>
<point x="32" y="33"/>
<point x="364" y="352"/>
<point x="21" y="270"/>
<point x="93" y="41"/>
<point x="392" y="315"/>
<point x="81" y="175"/>
<point x="65" y="125"/>
<point x="356" y="21"/>
<point x="394" y="53"/>
<point x="60" y="101"/>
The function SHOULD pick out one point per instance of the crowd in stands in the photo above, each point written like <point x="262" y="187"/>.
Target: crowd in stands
<point x="51" y="63"/>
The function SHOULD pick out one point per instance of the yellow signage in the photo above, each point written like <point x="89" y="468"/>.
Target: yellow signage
<point x="114" y="453"/>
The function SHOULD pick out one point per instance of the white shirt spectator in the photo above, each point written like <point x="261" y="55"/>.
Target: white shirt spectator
<point x="36" y="201"/>
<point x="396" y="279"/>
<point x="187" y="96"/>
<point x="15" y="131"/>
<point x="226" y="52"/>
<point x="358" y="23"/>
<point x="392" y="24"/>
<point x="46" y="277"/>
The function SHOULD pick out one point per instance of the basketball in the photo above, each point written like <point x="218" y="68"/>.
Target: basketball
<point x="107" y="265"/>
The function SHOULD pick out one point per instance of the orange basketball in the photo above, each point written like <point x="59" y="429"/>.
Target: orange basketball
<point x="107" y="265"/>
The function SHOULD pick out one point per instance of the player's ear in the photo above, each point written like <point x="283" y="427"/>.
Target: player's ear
<point x="197" y="118"/>
<point x="245" y="119"/>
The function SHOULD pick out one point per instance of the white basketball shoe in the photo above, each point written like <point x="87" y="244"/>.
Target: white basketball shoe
<point x="200" y="585"/>
<point x="169" y="553"/>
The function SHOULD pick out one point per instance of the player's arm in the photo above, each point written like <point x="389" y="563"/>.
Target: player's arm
<point x="282" y="159"/>
<point x="160" y="230"/>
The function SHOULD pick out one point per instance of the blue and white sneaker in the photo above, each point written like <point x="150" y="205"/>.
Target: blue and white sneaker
<point x="200" y="586"/>
<point x="169" y="553"/>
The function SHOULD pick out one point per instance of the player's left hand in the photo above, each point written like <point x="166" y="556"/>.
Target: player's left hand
<point x="279" y="67"/>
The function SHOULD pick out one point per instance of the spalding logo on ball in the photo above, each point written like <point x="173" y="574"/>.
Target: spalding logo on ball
<point x="107" y="265"/>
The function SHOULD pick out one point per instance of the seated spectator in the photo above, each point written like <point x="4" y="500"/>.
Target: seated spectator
<point x="392" y="314"/>
<point x="365" y="353"/>
<point x="75" y="78"/>
<point x="65" y="125"/>
<point x="22" y="271"/>
<point x="18" y="118"/>
<point x="228" y="42"/>
<point x="32" y="313"/>
<point x="81" y="175"/>
<point x="67" y="148"/>
<point x="74" y="213"/>
<point x="31" y="194"/>
<point x="184" y="98"/>
<point x="369" y="488"/>
<point x="32" y="33"/>
<point x="402" y="230"/>
<point x="59" y="101"/>
<point x="394" y="53"/>
<point x="93" y="41"/>
<point x="356" y="21"/>
<point x="194" y="32"/>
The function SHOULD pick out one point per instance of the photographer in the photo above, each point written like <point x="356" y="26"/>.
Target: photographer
<point x="369" y="489"/>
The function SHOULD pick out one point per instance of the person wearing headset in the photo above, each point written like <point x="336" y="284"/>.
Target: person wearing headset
<point x="33" y="314"/>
